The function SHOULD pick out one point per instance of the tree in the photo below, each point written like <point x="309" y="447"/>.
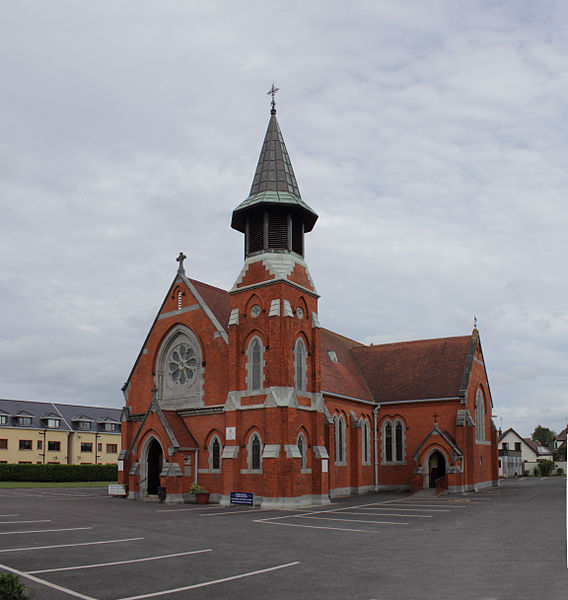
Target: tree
<point x="543" y="436"/>
<point x="560" y="455"/>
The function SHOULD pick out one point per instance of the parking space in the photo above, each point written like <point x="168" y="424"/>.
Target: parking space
<point x="83" y="544"/>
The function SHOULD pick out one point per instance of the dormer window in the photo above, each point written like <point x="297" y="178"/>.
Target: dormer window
<point x="84" y="425"/>
<point x="24" y="421"/>
<point x="332" y="356"/>
<point x="110" y="426"/>
<point x="3" y="419"/>
<point x="53" y="423"/>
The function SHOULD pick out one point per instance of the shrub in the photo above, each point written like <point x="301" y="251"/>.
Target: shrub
<point x="11" y="588"/>
<point x="58" y="473"/>
<point x="545" y="467"/>
<point x="536" y="472"/>
<point x="560" y="471"/>
<point x="197" y="489"/>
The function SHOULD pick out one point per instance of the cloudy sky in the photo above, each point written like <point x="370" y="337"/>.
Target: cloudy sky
<point x="431" y="137"/>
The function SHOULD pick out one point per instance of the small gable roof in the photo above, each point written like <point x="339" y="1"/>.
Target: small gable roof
<point x="342" y="377"/>
<point x="420" y="369"/>
<point x="216" y="299"/>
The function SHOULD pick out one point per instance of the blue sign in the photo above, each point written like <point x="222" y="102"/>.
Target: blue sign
<point x="242" y="498"/>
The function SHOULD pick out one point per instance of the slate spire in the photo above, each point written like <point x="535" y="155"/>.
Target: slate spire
<point x="273" y="200"/>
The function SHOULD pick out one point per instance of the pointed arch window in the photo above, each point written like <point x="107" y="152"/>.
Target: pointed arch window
<point x="255" y="453"/>
<point x="300" y="366"/>
<point x="255" y="365"/>
<point x="339" y="445"/>
<point x="393" y="442"/>
<point x="215" y="454"/>
<point x="479" y="416"/>
<point x="303" y="448"/>
<point x="365" y="443"/>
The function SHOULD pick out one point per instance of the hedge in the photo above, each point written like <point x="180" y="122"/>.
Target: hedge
<point x="56" y="473"/>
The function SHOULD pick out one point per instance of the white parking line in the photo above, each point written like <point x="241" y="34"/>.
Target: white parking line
<point x="412" y="508"/>
<point x="268" y="522"/>
<point x="172" y="510"/>
<point x="14" y="515"/>
<point x="120" y="562"/>
<point x="46" y="583"/>
<point x="234" y="512"/>
<point x="352" y="520"/>
<point x="72" y="545"/>
<point x="379" y="514"/>
<point x="43" y="531"/>
<point x="12" y="522"/>
<point x="213" y="582"/>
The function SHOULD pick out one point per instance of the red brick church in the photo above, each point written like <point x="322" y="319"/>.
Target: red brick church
<point x="244" y="390"/>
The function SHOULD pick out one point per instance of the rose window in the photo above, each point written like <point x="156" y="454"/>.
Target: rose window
<point x="182" y="364"/>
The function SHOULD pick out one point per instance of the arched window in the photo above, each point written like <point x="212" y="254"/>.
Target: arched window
<point x="300" y="366"/>
<point x="365" y="443"/>
<point x="302" y="447"/>
<point x="339" y="430"/>
<point x="255" y="453"/>
<point x="180" y="370"/>
<point x="215" y="454"/>
<point x="479" y="416"/>
<point x="179" y="299"/>
<point x="393" y="442"/>
<point x="255" y="364"/>
<point x="398" y="442"/>
<point x="388" y="441"/>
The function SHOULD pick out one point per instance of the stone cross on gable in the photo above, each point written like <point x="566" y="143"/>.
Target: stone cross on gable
<point x="272" y="92"/>
<point x="435" y="418"/>
<point x="180" y="260"/>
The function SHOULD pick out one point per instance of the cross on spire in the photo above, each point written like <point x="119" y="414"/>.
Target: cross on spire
<point x="475" y="321"/>
<point x="435" y="418"/>
<point x="272" y="92"/>
<point x="180" y="260"/>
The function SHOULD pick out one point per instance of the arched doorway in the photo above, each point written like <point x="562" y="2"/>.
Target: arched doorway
<point x="436" y="467"/>
<point x="155" y="463"/>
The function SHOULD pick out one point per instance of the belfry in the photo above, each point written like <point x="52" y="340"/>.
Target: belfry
<point x="242" y="391"/>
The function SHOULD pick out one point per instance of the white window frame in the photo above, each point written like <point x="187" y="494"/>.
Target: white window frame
<point x="303" y="449"/>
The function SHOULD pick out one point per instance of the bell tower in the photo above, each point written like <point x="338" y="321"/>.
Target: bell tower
<point x="274" y="410"/>
<point x="274" y="328"/>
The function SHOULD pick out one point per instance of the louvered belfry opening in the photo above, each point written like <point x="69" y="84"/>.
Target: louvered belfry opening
<point x="273" y="217"/>
<point x="254" y="238"/>
<point x="274" y="230"/>
<point x="278" y="230"/>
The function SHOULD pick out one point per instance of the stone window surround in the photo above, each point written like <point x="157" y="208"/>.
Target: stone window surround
<point x="304" y="455"/>
<point x="479" y="416"/>
<point x="211" y="469"/>
<point x="366" y="427"/>
<point x="249" y="365"/>
<point x="300" y="343"/>
<point x="249" y="470"/>
<point x="339" y="430"/>
<point x="393" y="423"/>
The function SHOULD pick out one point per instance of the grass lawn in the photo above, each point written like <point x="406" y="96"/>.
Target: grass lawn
<point x="48" y="484"/>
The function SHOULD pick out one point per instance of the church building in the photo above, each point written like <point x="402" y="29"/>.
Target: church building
<point x="245" y="391"/>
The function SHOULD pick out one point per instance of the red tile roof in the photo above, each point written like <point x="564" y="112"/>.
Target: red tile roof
<point x="414" y="370"/>
<point x="183" y="436"/>
<point x="344" y="376"/>
<point x="216" y="299"/>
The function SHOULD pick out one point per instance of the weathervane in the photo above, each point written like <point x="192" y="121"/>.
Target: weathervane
<point x="272" y="92"/>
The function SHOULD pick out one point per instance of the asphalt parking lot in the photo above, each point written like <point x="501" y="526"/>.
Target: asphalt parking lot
<point x="502" y="543"/>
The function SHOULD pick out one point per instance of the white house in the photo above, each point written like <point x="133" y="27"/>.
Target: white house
<point x="510" y="444"/>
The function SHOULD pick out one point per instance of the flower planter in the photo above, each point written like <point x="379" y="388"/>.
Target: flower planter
<point x="202" y="498"/>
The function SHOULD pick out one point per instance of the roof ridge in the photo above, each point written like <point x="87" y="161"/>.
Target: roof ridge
<point x="408" y="342"/>
<point x="344" y="337"/>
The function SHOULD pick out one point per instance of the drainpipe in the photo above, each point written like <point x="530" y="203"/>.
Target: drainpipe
<point x="196" y="464"/>
<point x="44" y="444"/>
<point x="375" y="446"/>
